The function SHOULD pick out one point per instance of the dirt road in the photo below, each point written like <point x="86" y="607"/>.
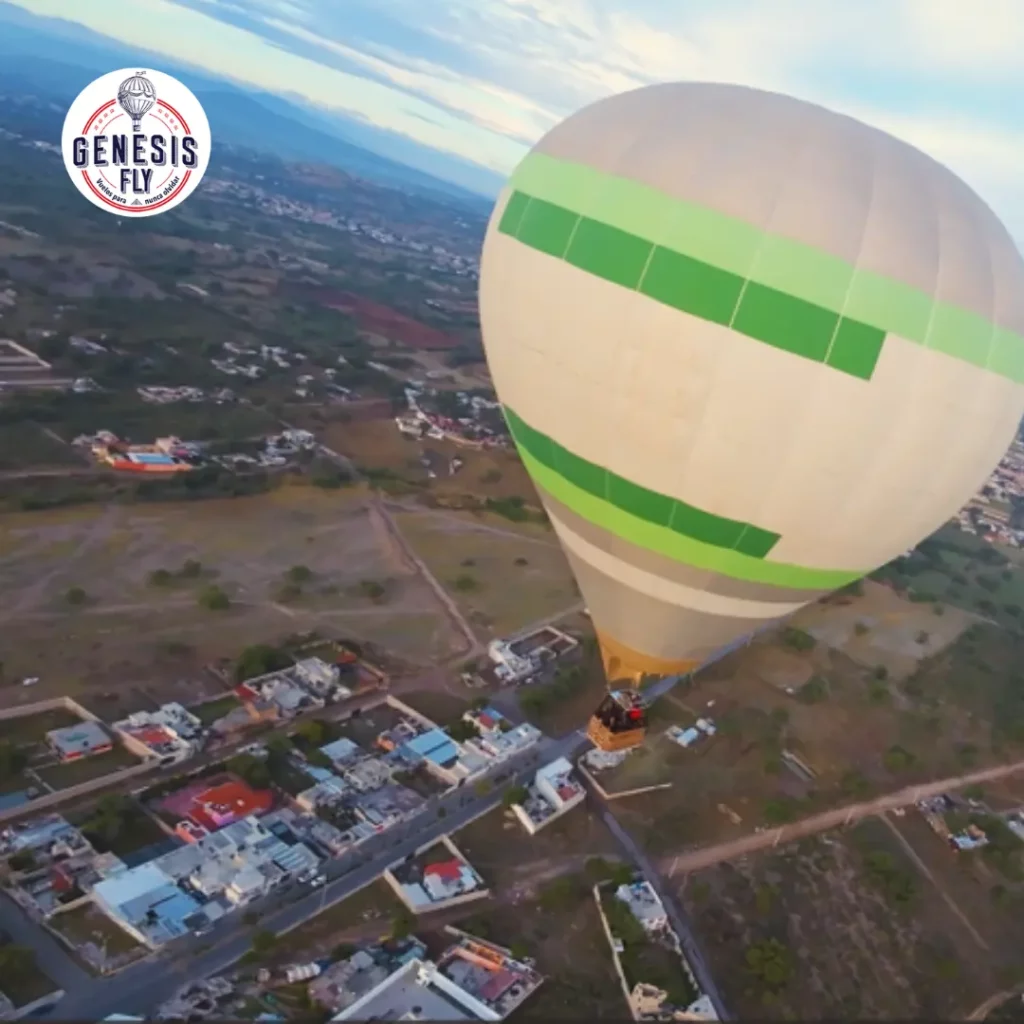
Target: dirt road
<point x="703" y="857"/>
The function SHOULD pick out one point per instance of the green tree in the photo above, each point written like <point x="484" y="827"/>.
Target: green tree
<point x="13" y="760"/>
<point x="465" y="583"/>
<point x="313" y="731"/>
<point x="461" y="730"/>
<point x="514" y="795"/>
<point x="213" y="598"/>
<point x="191" y="569"/>
<point x="159" y="578"/>
<point x="263" y="942"/>
<point x="76" y="596"/>
<point x="372" y="591"/>
<point x="770" y="962"/>
<point x="299" y="574"/>
<point x="402" y="923"/>
<point x="259" y="659"/>
<point x="251" y="770"/>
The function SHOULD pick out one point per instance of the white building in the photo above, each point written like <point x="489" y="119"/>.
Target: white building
<point x="441" y="884"/>
<point x="554" y="792"/>
<point x="170" y="734"/>
<point x="321" y="678"/>
<point x="644" y="904"/>
<point x="418" y="991"/>
<point x="499" y="746"/>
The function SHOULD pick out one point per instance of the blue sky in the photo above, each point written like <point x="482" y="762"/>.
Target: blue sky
<point x="483" y="79"/>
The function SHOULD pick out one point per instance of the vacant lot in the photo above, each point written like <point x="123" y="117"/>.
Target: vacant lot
<point x="104" y="597"/>
<point x="843" y="926"/>
<point x="509" y="858"/>
<point x="877" y="627"/>
<point x="73" y="773"/>
<point x="87" y="925"/>
<point x="502" y="579"/>
<point x="441" y="708"/>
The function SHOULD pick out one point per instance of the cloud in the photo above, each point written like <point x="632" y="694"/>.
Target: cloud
<point x="484" y="78"/>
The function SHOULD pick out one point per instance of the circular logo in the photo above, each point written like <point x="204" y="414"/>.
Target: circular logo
<point x="136" y="143"/>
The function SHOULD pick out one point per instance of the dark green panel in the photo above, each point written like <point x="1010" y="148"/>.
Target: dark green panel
<point x="546" y="227"/>
<point x="783" y="322"/>
<point x="756" y="542"/>
<point x="856" y="348"/>
<point x="514" y="210"/>
<point x="608" y="253"/>
<point x="642" y="503"/>
<point x="585" y="475"/>
<point x="693" y="522"/>
<point x="691" y="286"/>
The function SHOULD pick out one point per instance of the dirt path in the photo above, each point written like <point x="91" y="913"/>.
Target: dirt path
<point x="993" y="1001"/>
<point x="472" y="644"/>
<point x="707" y="856"/>
<point x="468" y="526"/>
<point x="926" y="871"/>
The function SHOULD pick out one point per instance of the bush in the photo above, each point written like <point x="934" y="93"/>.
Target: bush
<point x="514" y="795"/>
<point x="213" y="598"/>
<point x="76" y="596"/>
<point x="798" y="639"/>
<point x="465" y="583"/>
<point x="259" y="659"/>
<point x="160" y="578"/>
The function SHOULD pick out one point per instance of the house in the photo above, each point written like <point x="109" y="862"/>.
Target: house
<point x="49" y="836"/>
<point x="227" y="803"/>
<point x="436" y="750"/>
<point x="417" y="991"/>
<point x="342" y="751"/>
<point x="445" y="882"/>
<point x="644" y="904"/>
<point x="554" y="792"/>
<point x="489" y="973"/>
<point x="368" y="774"/>
<point x="171" y="734"/>
<point x="77" y="741"/>
<point x="147" y="904"/>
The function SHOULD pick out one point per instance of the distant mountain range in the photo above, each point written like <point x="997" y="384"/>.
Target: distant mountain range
<point x="239" y="116"/>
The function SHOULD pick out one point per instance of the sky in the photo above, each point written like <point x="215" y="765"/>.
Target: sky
<point x="484" y="79"/>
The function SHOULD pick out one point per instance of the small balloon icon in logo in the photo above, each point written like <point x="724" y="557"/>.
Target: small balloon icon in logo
<point x="136" y="96"/>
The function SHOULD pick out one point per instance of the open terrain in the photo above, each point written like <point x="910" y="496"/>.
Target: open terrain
<point x="848" y="925"/>
<point x="811" y="717"/>
<point x="104" y="599"/>
<point x="502" y="578"/>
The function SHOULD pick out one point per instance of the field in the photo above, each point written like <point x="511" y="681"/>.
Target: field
<point x="502" y="579"/>
<point x="23" y="982"/>
<point x="378" y="448"/>
<point x="511" y="860"/>
<point x="441" y="708"/>
<point x="73" y="773"/>
<point x="857" y="727"/>
<point x="843" y="926"/>
<point x="28" y="446"/>
<point x="98" y="599"/>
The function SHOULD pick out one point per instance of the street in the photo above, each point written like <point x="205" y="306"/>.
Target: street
<point x="140" y="989"/>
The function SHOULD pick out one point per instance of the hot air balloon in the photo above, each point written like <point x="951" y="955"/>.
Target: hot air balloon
<point x="136" y="96"/>
<point x="749" y="350"/>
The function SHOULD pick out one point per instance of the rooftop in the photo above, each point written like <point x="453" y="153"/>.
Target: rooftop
<point x="76" y="740"/>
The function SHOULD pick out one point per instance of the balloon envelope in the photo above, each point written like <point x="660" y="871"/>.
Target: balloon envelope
<point x="749" y="350"/>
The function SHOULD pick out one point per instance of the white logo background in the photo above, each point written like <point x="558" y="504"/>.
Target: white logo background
<point x="147" y="189"/>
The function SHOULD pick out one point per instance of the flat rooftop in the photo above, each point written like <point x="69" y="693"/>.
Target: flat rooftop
<point x="405" y="996"/>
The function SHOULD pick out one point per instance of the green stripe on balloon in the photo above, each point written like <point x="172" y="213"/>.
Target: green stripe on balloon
<point x="660" y="523"/>
<point x="872" y="305"/>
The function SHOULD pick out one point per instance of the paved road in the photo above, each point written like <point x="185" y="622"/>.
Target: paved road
<point x="706" y="856"/>
<point x="142" y="988"/>
<point x="677" y="916"/>
<point x="51" y="956"/>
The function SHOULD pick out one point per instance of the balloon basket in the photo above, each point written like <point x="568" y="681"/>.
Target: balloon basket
<point x="620" y="721"/>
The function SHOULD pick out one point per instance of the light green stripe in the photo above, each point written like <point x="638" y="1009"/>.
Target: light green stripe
<point x="780" y="263"/>
<point x="682" y="549"/>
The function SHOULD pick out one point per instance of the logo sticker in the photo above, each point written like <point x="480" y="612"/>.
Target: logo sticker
<point x="136" y="143"/>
